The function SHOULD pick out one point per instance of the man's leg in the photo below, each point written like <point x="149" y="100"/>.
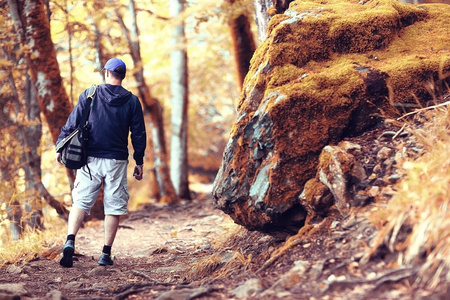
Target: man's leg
<point x="115" y="202"/>
<point x="76" y="218"/>
<point x="111" y="226"/>
<point x="84" y="195"/>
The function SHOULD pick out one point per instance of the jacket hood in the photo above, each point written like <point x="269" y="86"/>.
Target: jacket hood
<point x="114" y="95"/>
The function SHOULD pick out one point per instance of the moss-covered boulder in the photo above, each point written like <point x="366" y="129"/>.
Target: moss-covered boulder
<point x="328" y="69"/>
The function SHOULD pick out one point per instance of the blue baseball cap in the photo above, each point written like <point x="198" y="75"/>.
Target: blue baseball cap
<point x="114" y="63"/>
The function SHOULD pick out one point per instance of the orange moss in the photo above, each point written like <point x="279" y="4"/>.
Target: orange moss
<point x="271" y="11"/>
<point x="321" y="75"/>
<point x="313" y="29"/>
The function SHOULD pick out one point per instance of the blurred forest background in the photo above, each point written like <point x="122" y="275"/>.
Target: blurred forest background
<point x="172" y="49"/>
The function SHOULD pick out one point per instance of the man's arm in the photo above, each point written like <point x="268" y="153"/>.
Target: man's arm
<point x="138" y="134"/>
<point x="138" y="138"/>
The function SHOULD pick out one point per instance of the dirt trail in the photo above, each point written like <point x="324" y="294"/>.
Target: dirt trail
<point x="153" y="245"/>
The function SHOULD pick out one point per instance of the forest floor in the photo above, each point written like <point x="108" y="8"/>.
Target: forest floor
<point x="191" y="250"/>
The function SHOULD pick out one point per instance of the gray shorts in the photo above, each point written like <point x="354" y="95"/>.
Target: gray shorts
<point x="112" y="174"/>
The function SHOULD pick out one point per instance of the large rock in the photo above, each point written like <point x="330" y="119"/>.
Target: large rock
<point x="328" y="69"/>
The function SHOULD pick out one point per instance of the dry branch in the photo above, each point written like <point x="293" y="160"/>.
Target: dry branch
<point x="424" y="109"/>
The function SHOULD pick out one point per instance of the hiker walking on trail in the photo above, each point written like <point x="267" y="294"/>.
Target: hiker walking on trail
<point x="115" y="112"/>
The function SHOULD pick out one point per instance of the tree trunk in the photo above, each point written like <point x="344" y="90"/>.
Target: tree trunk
<point x="31" y="139"/>
<point x="14" y="214"/>
<point x="33" y="29"/>
<point x="261" y="17"/>
<point x="281" y="5"/>
<point x="243" y="44"/>
<point x="152" y="107"/>
<point x="13" y="207"/>
<point x="70" y="49"/>
<point x="99" y="57"/>
<point x="180" y="99"/>
<point x="167" y="191"/>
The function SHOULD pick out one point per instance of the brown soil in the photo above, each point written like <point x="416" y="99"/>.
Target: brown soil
<point x="191" y="250"/>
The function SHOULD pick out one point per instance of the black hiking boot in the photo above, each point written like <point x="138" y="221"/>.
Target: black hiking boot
<point x="105" y="260"/>
<point x="67" y="258"/>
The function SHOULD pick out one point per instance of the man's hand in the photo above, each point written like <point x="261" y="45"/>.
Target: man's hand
<point x="58" y="158"/>
<point x="138" y="172"/>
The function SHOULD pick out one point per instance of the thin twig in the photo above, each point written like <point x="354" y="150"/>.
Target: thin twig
<point x="398" y="132"/>
<point x="393" y="133"/>
<point x="423" y="109"/>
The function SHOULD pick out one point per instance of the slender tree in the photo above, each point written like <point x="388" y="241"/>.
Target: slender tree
<point x="152" y="107"/>
<point x="31" y="136"/>
<point x="262" y="17"/>
<point x="263" y="13"/>
<point x="9" y="151"/>
<point x="69" y="29"/>
<point x="9" y="127"/>
<point x="243" y="42"/>
<point x="180" y="91"/>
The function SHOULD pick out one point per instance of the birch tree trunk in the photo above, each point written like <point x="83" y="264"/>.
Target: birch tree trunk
<point x="261" y="17"/>
<point x="153" y="108"/>
<point x="180" y="98"/>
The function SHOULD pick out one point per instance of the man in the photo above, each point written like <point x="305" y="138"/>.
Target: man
<point x="115" y="113"/>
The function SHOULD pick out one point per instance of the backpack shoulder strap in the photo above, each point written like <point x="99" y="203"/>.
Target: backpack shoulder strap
<point x="87" y="110"/>
<point x="92" y="90"/>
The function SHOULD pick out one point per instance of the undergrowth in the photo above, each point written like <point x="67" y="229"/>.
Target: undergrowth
<point x="31" y="244"/>
<point x="420" y="206"/>
<point x="227" y="260"/>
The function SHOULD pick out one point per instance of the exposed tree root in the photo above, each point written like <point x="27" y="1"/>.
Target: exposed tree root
<point x="125" y="290"/>
<point x="390" y="276"/>
<point x="153" y="281"/>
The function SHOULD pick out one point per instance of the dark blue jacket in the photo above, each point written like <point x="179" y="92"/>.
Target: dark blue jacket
<point x="115" y="112"/>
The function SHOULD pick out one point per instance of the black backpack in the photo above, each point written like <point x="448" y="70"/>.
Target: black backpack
<point x="73" y="148"/>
